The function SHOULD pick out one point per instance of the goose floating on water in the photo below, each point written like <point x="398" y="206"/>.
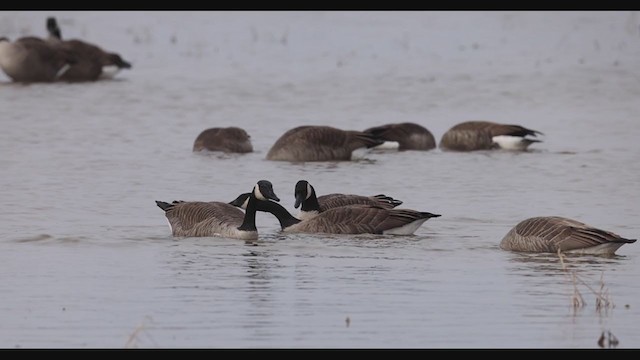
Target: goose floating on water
<point x="548" y="234"/>
<point x="230" y="139"/>
<point x="353" y="219"/>
<point x="407" y="136"/>
<point x="198" y="218"/>
<point x="486" y="135"/>
<point x="311" y="205"/>
<point x="319" y="143"/>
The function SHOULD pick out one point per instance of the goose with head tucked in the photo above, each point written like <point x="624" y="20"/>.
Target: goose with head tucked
<point x="93" y="62"/>
<point x="353" y="219"/>
<point x="319" y="143"/>
<point x="229" y="139"/>
<point x="199" y="218"/>
<point x="487" y="135"/>
<point x="550" y="234"/>
<point x="311" y="205"/>
<point x="403" y="136"/>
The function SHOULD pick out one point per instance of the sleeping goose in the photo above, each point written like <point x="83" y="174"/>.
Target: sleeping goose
<point x="353" y="219"/>
<point x="198" y="218"/>
<point x="553" y="233"/>
<point x="319" y="143"/>
<point x="485" y="135"/>
<point x="229" y="139"/>
<point x="92" y="60"/>
<point x="31" y="59"/>
<point x="407" y="136"/>
<point x="312" y="205"/>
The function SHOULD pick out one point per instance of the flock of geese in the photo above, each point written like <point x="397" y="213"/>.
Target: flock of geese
<point x="326" y="143"/>
<point x="375" y="214"/>
<point x="32" y="59"/>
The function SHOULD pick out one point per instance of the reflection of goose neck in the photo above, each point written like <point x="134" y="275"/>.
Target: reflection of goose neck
<point x="284" y="216"/>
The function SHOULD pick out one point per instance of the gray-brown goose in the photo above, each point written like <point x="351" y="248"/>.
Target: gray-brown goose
<point x="319" y="143"/>
<point x="311" y="205"/>
<point x="30" y="59"/>
<point x="486" y="135"/>
<point x="354" y="219"/>
<point x="230" y="139"/>
<point x="407" y="136"/>
<point x="548" y="234"/>
<point x="92" y="59"/>
<point x="198" y="218"/>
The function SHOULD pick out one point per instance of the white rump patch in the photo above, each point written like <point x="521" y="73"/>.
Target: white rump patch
<point x="408" y="229"/>
<point x="388" y="145"/>
<point x="109" y="72"/>
<point x="508" y="142"/>
<point x="602" y="249"/>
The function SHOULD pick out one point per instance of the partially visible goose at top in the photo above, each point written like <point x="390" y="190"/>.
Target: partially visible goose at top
<point x="312" y="205"/>
<point x="319" y="143"/>
<point x="31" y="59"/>
<point x="486" y="135"/>
<point x="230" y="139"/>
<point x="198" y="218"/>
<point x="353" y="219"/>
<point x="552" y="233"/>
<point x="92" y="60"/>
<point x="404" y="136"/>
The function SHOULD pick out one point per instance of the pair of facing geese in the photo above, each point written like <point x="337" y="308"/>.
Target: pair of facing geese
<point x="356" y="214"/>
<point x="325" y="143"/>
<point x="32" y="59"/>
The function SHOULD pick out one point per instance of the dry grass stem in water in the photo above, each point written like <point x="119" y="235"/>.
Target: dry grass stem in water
<point x="134" y="337"/>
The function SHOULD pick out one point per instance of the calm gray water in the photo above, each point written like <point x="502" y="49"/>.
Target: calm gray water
<point x="88" y="260"/>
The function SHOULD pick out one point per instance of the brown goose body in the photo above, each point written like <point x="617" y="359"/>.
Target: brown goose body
<point x="91" y="59"/>
<point x="354" y="219"/>
<point x="551" y="234"/>
<point x="486" y="135"/>
<point x="31" y="59"/>
<point x="230" y="139"/>
<point x="409" y="136"/>
<point x="311" y="205"/>
<point x="199" y="218"/>
<point x="319" y="143"/>
<point x="363" y="219"/>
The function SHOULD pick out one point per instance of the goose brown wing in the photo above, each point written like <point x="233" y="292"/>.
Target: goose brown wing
<point x="183" y="216"/>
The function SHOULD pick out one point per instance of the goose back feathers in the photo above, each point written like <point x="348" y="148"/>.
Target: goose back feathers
<point x="553" y="233"/>
<point x="319" y="143"/>
<point x="91" y="59"/>
<point x="198" y="218"/>
<point x="354" y="219"/>
<point x="311" y="205"/>
<point x="409" y="136"/>
<point x="230" y="139"/>
<point x="485" y="135"/>
<point x="30" y="59"/>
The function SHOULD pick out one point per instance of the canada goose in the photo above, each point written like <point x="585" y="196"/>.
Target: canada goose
<point x="229" y="139"/>
<point x="553" y="233"/>
<point x="92" y="60"/>
<point x="353" y="219"/>
<point x="197" y="218"/>
<point x="408" y="136"/>
<point x="312" y="205"/>
<point x="485" y="135"/>
<point x="31" y="59"/>
<point x="319" y="143"/>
